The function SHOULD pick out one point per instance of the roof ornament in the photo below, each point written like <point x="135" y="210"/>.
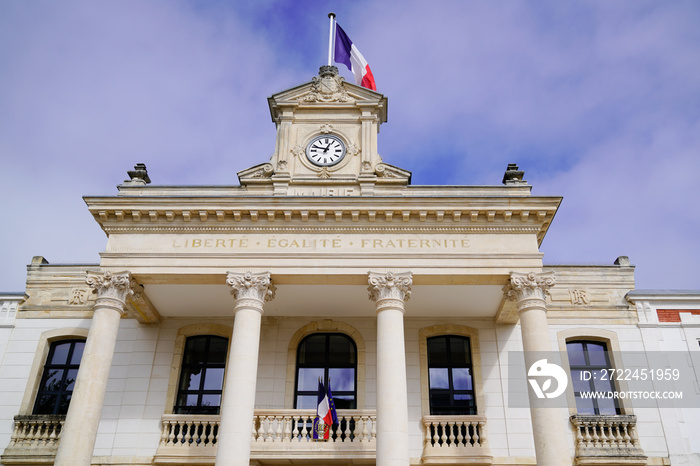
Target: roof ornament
<point x="139" y="175"/>
<point x="513" y="176"/>
<point x="327" y="87"/>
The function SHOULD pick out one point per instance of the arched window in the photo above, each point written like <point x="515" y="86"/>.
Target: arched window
<point x="58" y="379"/>
<point x="588" y="360"/>
<point x="323" y="356"/>
<point x="201" y="375"/>
<point x="450" y="376"/>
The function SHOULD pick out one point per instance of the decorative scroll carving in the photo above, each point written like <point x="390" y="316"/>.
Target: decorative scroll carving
<point x="328" y="87"/>
<point x="251" y="286"/>
<point x="529" y="286"/>
<point x="265" y="171"/>
<point x="112" y="288"/>
<point x="390" y="285"/>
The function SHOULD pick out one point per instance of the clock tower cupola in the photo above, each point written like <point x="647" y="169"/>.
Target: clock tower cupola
<point x="326" y="136"/>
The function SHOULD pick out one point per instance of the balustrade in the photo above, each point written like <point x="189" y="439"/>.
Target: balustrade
<point x="462" y="438"/>
<point x="275" y="433"/>
<point x="609" y="436"/>
<point x="35" y="438"/>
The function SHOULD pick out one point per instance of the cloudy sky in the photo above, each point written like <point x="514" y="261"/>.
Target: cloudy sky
<point x="598" y="101"/>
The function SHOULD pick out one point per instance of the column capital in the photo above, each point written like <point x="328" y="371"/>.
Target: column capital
<point x="394" y="286"/>
<point x="112" y="288"/>
<point x="526" y="286"/>
<point x="251" y="289"/>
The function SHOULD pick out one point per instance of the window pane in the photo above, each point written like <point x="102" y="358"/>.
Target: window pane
<point x="191" y="400"/>
<point x="308" y="379"/>
<point x="597" y="354"/>
<point x="218" y="347"/>
<point x="52" y="382"/>
<point x="214" y="379"/>
<point x="211" y="400"/>
<point x="344" y="402"/>
<point x="459" y="348"/>
<point x="60" y="353"/>
<point x="584" y="406"/>
<point x="439" y="378"/>
<point x="195" y="350"/>
<point x="63" y="403"/>
<point x="77" y="352"/>
<point x="307" y="402"/>
<point x="462" y="379"/>
<point x="601" y="385"/>
<point x="575" y="352"/>
<point x="340" y="350"/>
<point x="606" y="406"/>
<point x="312" y="350"/>
<point x="439" y="400"/>
<point x="70" y="379"/>
<point x="578" y="384"/>
<point x="437" y="351"/>
<point x="342" y="380"/>
<point x="190" y="378"/>
<point x="45" y="404"/>
<point x="463" y="403"/>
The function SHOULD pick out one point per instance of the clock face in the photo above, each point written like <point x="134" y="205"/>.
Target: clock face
<point x="325" y="150"/>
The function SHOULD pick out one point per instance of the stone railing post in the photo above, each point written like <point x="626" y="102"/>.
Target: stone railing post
<point x="390" y="291"/>
<point x="550" y="429"/>
<point x="83" y="417"/>
<point x="251" y="291"/>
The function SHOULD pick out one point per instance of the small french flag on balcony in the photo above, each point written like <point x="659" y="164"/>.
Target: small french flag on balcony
<point x="325" y="413"/>
<point x="347" y="53"/>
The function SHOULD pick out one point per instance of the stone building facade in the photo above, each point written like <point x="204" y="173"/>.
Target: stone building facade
<point x="201" y="335"/>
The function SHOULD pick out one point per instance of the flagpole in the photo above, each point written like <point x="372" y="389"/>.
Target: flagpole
<point x="330" y="38"/>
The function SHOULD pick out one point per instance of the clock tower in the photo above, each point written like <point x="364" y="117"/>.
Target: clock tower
<point x="326" y="142"/>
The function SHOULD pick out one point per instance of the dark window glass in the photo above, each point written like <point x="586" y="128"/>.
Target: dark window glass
<point x="58" y="379"/>
<point x="588" y="360"/>
<point x="202" y="375"/>
<point x="450" y="376"/>
<point x="324" y="355"/>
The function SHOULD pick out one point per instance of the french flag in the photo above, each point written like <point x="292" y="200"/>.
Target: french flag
<point x="325" y="413"/>
<point x="347" y="53"/>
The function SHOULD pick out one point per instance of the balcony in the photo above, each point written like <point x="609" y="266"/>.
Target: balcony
<point x="455" y="440"/>
<point x="607" y="440"/>
<point x="34" y="440"/>
<point x="277" y="434"/>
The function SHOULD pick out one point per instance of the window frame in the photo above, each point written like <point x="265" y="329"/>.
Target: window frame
<point x="475" y="348"/>
<point x="40" y="357"/>
<point x="204" y="367"/>
<point x="610" y="339"/>
<point x="176" y="353"/>
<point x="450" y="365"/>
<point x="326" y="366"/>
<point x="65" y="368"/>
<point x="588" y="366"/>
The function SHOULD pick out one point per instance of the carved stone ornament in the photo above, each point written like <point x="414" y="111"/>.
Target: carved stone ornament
<point x="390" y="285"/>
<point x="108" y="285"/>
<point x="265" y="171"/>
<point x="326" y="129"/>
<point x="328" y="87"/>
<point x="251" y="286"/>
<point x="282" y="165"/>
<point x="78" y="296"/>
<point x="526" y="286"/>
<point x="353" y="150"/>
<point x="298" y="150"/>
<point x="324" y="173"/>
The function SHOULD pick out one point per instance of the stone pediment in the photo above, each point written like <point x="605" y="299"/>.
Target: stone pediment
<point x="326" y="88"/>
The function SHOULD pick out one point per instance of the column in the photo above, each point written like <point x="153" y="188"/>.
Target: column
<point x="550" y="426"/>
<point x="83" y="417"/>
<point x="251" y="291"/>
<point x="390" y="291"/>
